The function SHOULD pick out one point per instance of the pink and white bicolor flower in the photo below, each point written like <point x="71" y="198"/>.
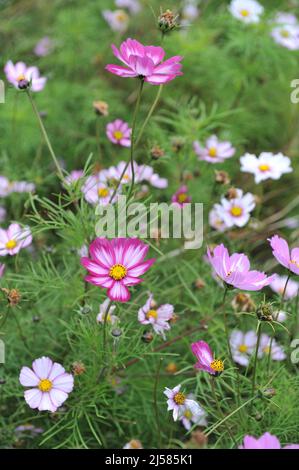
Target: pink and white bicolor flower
<point x="14" y="239"/>
<point x="158" y="317"/>
<point x="16" y="73"/>
<point x="49" y="384"/>
<point x="266" y="441"/>
<point x="145" y="62"/>
<point x="235" y="271"/>
<point x="286" y="257"/>
<point x="117" y="264"/>
<point x="214" y="151"/>
<point x="205" y="358"/>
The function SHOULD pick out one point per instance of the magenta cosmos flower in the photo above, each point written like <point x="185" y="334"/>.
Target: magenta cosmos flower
<point x="180" y="197"/>
<point x="14" y="239"/>
<point x="205" y="358"/>
<point x="145" y="62"/>
<point x="235" y="270"/>
<point x="266" y="441"/>
<point x="20" y="73"/>
<point x="116" y="264"/>
<point x="49" y="384"/>
<point x="119" y="133"/>
<point x="288" y="258"/>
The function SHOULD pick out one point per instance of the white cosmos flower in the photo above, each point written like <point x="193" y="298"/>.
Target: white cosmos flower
<point x="112" y="319"/>
<point x="242" y="346"/>
<point x="277" y="352"/>
<point x="278" y="285"/>
<point x="286" y="35"/>
<point x="267" y="165"/>
<point x="118" y="20"/>
<point x="248" y="11"/>
<point x="215" y="219"/>
<point x="178" y="403"/>
<point x="236" y="211"/>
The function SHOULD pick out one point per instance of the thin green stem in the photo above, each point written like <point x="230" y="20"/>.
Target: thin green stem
<point x="259" y="332"/>
<point x="105" y="355"/>
<point x="276" y="317"/>
<point x="156" y="401"/>
<point x="45" y="135"/>
<point x="221" y="415"/>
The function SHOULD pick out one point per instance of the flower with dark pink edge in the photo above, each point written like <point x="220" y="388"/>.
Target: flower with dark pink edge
<point x="286" y="257"/>
<point x="14" y="239"/>
<point x="181" y="197"/>
<point x="145" y="62"/>
<point x="117" y="264"/>
<point x="119" y="133"/>
<point x="49" y="384"/>
<point x="235" y="271"/>
<point x="205" y="358"/>
<point x="214" y="150"/>
<point x="266" y="441"/>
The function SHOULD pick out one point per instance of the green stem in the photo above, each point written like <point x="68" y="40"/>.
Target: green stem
<point x="276" y="317"/>
<point x="45" y="135"/>
<point x="152" y="109"/>
<point x="156" y="402"/>
<point x="259" y="332"/>
<point x="221" y="415"/>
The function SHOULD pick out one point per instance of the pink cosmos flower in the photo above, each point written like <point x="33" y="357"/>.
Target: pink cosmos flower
<point x="5" y="186"/>
<point x="74" y="176"/>
<point x="2" y="269"/>
<point x="19" y="72"/>
<point x="266" y="441"/>
<point x="279" y="283"/>
<point x="116" y="264"/>
<point x="43" y="47"/>
<point x="158" y="317"/>
<point x="49" y="384"/>
<point x="235" y="270"/>
<point x="215" y="219"/>
<point x="205" y="358"/>
<point x="96" y="192"/>
<point x="214" y="151"/>
<point x="288" y="258"/>
<point x="14" y="239"/>
<point x="119" y="132"/>
<point x="145" y="62"/>
<point x="180" y="197"/>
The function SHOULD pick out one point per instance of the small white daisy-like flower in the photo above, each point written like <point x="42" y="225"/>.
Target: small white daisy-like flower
<point x="236" y="211"/>
<point x="158" y="317"/>
<point x="118" y="20"/>
<point x="179" y="403"/>
<point x="96" y="192"/>
<point x="242" y="346"/>
<point x="112" y="319"/>
<point x="248" y="11"/>
<point x="267" y="165"/>
<point x="287" y="35"/>
<point x="216" y="221"/>
<point x="277" y="351"/>
<point x="197" y="417"/>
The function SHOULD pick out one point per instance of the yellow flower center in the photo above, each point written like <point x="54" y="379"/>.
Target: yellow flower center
<point x="295" y="263"/>
<point x="188" y="414"/>
<point x="212" y="151"/>
<point x="11" y="244"/>
<point x="244" y="13"/>
<point x="118" y="135"/>
<point x="45" y="385"/>
<point x="284" y="33"/>
<point x="121" y="16"/>
<point x="118" y="272"/>
<point x="236" y="211"/>
<point x="152" y="314"/>
<point x="126" y="177"/>
<point x="103" y="192"/>
<point x="217" y="365"/>
<point x="243" y="348"/>
<point x="266" y="350"/>
<point x="179" y="398"/>
<point x="182" y="197"/>
<point x="264" y="167"/>
<point x="21" y="77"/>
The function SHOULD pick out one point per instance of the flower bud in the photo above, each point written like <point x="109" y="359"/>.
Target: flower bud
<point x="147" y="337"/>
<point x="101" y="108"/>
<point x="177" y="143"/>
<point x="243" y="303"/>
<point x="13" y="296"/>
<point x="232" y="193"/>
<point x="198" y="284"/>
<point x="116" y="332"/>
<point x="222" y="177"/>
<point x="167" y="21"/>
<point x="157" y="152"/>
<point x="78" y="368"/>
<point x="171" y="368"/>
<point x="264" y="311"/>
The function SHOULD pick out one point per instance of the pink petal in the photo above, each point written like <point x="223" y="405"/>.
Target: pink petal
<point x="119" y="292"/>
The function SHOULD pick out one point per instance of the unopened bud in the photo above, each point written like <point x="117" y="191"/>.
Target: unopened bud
<point x="147" y="337"/>
<point x="101" y="108"/>
<point x="222" y="177"/>
<point x="167" y="21"/>
<point x="171" y="368"/>
<point x="116" y="332"/>
<point x="265" y="312"/>
<point x="78" y="368"/>
<point x="13" y="296"/>
<point x="199" y="284"/>
<point x="157" y="152"/>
